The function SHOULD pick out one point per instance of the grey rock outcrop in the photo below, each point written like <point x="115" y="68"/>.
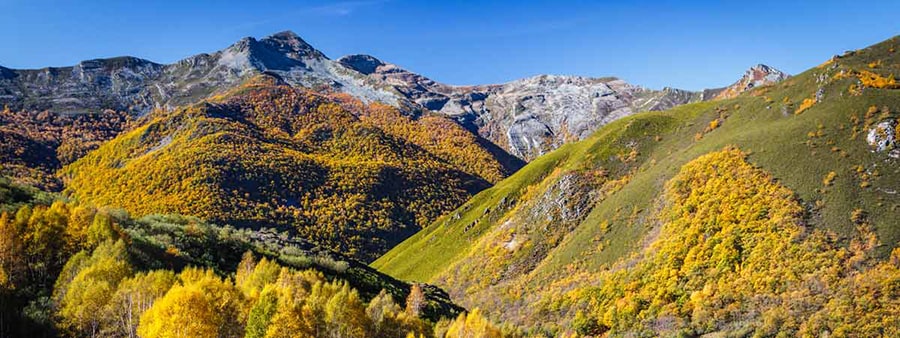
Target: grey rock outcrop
<point x="102" y="83"/>
<point x="527" y="117"/>
<point x="883" y="137"/>
<point x="532" y="116"/>
<point x="756" y="76"/>
<point x="657" y="100"/>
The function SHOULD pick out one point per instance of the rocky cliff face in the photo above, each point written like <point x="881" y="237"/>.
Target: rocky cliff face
<point x="527" y="117"/>
<point x="137" y="85"/>
<point x="532" y="116"/>
<point x="104" y="83"/>
<point x="756" y="76"/>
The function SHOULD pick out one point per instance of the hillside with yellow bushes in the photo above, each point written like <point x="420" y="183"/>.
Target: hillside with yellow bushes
<point x="353" y="177"/>
<point x="773" y="213"/>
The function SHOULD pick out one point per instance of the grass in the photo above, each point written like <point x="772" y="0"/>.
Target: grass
<point x="762" y="123"/>
<point x="428" y="242"/>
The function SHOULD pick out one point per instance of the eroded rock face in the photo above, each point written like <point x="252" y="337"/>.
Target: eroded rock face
<point x="115" y="83"/>
<point x="535" y="115"/>
<point x="883" y="137"/>
<point x="137" y="85"/>
<point x="527" y="117"/>
<point x="756" y="76"/>
<point x="532" y="116"/>
<point x="667" y="98"/>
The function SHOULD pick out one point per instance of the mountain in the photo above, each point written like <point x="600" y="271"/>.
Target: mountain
<point x="354" y="177"/>
<point x="772" y="212"/>
<point x="363" y="134"/>
<point x="767" y="208"/>
<point x="527" y="117"/>
<point x="139" y="86"/>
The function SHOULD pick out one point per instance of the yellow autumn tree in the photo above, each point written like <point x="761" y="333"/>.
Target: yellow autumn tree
<point x="202" y="305"/>
<point x="309" y="306"/>
<point x="472" y="325"/>
<point x="345" y="314"/>
<point x="12" y="262"/>
<point x="182" y="312"/>
<point x="262" y="312"/>
<point x="133" y="297"/>
<point x="390" y="320"/>
<point x="292" y="316"/>
<point x="87" y="295"/>
<point x="416" y="301"/>
<point x="252" y="276"/>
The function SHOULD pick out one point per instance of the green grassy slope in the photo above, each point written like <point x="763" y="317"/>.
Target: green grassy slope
<point x="530" y="233"/>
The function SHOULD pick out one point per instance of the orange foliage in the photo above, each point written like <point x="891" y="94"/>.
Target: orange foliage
<point x="873" y="80"/>
<point x="806" y="104"/>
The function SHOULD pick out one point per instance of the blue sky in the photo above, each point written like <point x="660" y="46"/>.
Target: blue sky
<point x="653" y="43"/>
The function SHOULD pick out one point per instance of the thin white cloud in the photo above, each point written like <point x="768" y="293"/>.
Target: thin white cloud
<point x="333" y="9"/>
<point x="342" y="8"/>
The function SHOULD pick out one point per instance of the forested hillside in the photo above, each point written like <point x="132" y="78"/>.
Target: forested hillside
<point x="67" y="269"/>
<point x="772" y="213"/>
<point x="34" y="145"/>
<point x="353" y="177"/>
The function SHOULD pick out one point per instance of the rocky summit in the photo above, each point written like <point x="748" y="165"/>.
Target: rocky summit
<point x="756" y="76"/>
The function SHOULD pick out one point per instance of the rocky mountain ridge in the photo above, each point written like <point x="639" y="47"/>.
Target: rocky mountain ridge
<point x="138" y="86"/>
<point x="526" y="117"/>
<point x="532" y="116"/>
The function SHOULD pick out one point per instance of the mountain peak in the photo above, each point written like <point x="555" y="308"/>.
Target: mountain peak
<point x="362" y="63"/>
<point x="762" y="72"/>
<point x="290" y="43"/>
<point x="755" y="76"/>
<point x="287" y="34"/>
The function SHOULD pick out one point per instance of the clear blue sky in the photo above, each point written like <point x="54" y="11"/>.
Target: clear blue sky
<point x="664" y="43"/>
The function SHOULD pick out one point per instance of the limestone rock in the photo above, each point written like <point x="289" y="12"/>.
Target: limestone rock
<point x="756" y="76"/>
<point x="527" y="117"/>
<point x="883" y="137"/>
<point x="137" y="85"/>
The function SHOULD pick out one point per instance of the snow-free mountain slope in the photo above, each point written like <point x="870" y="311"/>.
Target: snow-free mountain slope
<point x="621" y="234"/>
<point x="532" y="116"/>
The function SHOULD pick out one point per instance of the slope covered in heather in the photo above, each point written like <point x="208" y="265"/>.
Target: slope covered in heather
<point x="618" y="233"/>
<point x="349" y="176"/>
